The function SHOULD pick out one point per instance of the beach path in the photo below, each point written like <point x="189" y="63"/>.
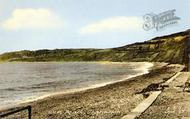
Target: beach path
<point x="173" y="102"/>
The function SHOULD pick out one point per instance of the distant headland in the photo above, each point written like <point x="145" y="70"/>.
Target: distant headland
<point x="170" y="48"/>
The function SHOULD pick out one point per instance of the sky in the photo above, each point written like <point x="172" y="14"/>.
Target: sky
<point x="56" y="24"/>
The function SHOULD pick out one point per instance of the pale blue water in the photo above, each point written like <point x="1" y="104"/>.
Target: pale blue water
<point x="28" y="81"/>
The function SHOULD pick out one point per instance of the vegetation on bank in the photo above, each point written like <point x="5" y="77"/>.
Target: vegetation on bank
<point x="170" y="48"/>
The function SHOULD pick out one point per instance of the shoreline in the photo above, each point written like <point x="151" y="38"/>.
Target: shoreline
<point x="121" y="95"/>
<point x="145" y="68"/>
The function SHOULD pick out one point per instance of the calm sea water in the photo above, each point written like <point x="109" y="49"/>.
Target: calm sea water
<point x="21" y="82"/>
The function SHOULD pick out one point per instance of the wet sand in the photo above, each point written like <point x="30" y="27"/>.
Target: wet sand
<point x="108" y="102"/>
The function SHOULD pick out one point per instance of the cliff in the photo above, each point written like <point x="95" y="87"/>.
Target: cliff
<point x="170" y="48"/>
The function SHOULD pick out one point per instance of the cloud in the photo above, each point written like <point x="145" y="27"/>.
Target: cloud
<point x="120" y="23"/>
<point x="32" y="19"/>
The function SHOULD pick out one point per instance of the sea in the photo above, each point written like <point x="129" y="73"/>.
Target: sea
<point x="25" y="82"/>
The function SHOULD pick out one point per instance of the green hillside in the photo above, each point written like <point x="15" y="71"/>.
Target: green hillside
<point x="171" y="48"/>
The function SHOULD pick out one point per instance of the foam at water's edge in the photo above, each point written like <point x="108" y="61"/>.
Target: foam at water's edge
<point x="144" y="68"/>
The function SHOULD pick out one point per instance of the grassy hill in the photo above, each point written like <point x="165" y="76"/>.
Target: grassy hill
<point x="171" y="48"/>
